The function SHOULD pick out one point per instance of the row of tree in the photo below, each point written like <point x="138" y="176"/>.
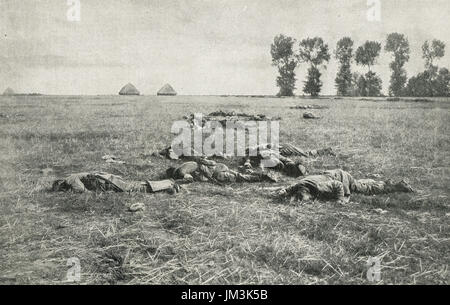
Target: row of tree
<point x="314" y="52"/>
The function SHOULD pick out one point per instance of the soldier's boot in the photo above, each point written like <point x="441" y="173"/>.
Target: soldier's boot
<point x="403" y="187"/>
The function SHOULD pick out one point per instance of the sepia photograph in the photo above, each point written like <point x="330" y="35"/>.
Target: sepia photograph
<point x="224" y="143"/>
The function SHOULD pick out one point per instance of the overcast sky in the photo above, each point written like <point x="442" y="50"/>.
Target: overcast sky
<point x="198" y="46"/>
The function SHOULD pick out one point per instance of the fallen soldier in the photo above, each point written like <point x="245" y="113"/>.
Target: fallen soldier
<point x="339" y="185"/>
<point x="169" y="153"/>
<point x="309" y="107"/>
<point x="207" y="170"/>
<point x="266" y="157"/>
<point x="248" y="117"/>
<point x="290" y="150"/>
<point x="310" y="115"/>
<point x="258" y="117"/>
<point x="104" y="182"/>
<point x="286" y="150"/>
<point x="321" y="152"/>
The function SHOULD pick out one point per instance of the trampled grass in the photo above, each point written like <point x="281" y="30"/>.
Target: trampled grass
<point x="210" y="234"/>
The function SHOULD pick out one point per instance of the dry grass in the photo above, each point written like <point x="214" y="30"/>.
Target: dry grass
<point x="220" y="235"/>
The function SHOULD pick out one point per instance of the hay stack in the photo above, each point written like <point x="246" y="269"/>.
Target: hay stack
<point x="167" y="90"/>
<point x="129" y="89"/>
<point x="9" y="91"/>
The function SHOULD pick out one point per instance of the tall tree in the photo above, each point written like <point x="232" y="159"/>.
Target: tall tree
<point x="431" y="52"/>
<point x="315" y="52"/>
<point x="366" y="55"/>
<point x="283" y="57"/>
<point x="344" y="54"/>
<point x="441" y="84"/>
<point x="433" y="81"/>
<point x="399" y="46"/>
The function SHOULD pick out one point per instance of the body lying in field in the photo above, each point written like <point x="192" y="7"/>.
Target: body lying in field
<point x="202" y="171"/>
<point x="339" y="185"/>
<point x="207" y="170"/>
<point x="273" y="159"/>
<point x="284" y="150"/>
<point x="277" y="157"/>
<point x="104" y="182"/>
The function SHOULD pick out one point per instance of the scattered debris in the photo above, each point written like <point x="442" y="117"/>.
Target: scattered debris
<point x="374" y="176"/>
<point x="9" y="116"/>
<point x="47" y="171"/>
<point x="163" y="185"/>
<point x="223" y="117"/>
<point x="136" y="207"/>
<point x="380" y="211"/>
<point x="112" y="159"/>
<point x="250" y="117"/>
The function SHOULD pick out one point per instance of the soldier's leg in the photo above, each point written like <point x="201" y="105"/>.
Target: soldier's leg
<point x="187" y="168"/>
<point x="138" y="187"/>
<point x="402" y="186"/>
<point x="248" y="177"/>
<point x="232" y="176"/>
<point x="373" y="187"/>
<point x="369" y="187"/>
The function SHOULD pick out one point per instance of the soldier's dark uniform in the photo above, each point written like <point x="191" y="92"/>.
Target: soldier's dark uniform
<point x="104" y="182"/>
<point x="339" y="185"/>
<point x="207" y="170"/>
<point x="266" y="157"/>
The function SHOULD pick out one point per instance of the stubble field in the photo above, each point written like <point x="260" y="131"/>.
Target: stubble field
<point x="211" y="234"/>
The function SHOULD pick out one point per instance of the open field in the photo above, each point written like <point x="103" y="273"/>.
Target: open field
<point x="221" y="235"/>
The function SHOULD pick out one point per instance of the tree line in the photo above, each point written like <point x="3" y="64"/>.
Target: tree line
<point x="315" y="53"/>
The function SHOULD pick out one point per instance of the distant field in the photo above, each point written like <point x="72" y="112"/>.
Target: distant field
<point x="221" y="235"/>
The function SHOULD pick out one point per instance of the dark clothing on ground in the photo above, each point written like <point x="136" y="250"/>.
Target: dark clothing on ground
<point x="207" y="170"/>
<point x="104" y="182"/>
<point x="265" y="157"/>
<point x="338" y="184"/>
